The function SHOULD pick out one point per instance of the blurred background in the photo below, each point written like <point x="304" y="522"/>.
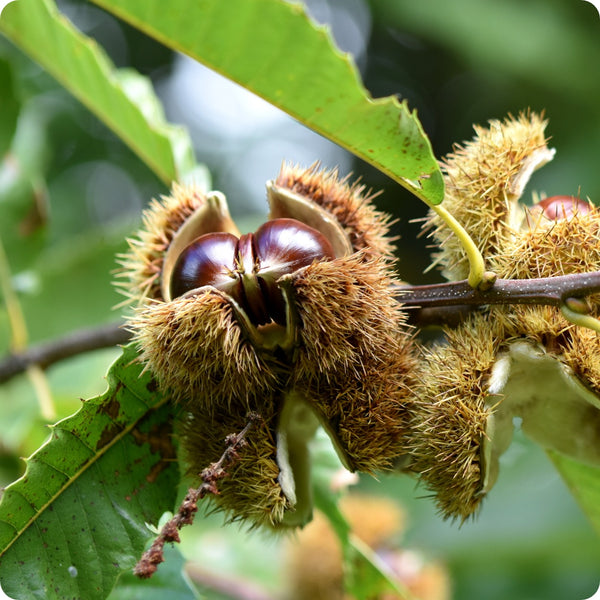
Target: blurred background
<point x="70" y="192"/>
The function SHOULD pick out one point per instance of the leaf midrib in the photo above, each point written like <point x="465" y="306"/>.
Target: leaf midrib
<point x="78" y="473"/>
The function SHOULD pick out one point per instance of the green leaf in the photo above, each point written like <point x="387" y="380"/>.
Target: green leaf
<point x="9" y="107"/>
<point x="273" y="49"/>
<point x="584" y="482"/>
<point x="124" y="101"/>
<point x="77" y="518"/>
<point x="169" y="582"/>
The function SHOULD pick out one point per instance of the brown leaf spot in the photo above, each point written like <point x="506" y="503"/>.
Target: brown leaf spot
<point x="108" y="435"/>
<point x="160" y="440"/>
<point x="111" y="408"/>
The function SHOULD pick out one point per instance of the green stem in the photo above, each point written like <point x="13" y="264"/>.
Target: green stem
<point x="477" y="273"/>
<point x="580" y="319"/>
<point x="13" y="308"/>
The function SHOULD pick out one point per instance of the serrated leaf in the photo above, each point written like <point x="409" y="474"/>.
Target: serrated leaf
<point x="128" y="107"/>
<point x="273" y="49"/>
<point x="77" y="518"/>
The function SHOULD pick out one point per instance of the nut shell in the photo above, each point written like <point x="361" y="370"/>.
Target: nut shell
<point x="556" y="208"/>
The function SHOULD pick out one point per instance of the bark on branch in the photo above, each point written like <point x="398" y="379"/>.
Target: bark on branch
<point x="77" y="342"/>
<point x="437" y="304"/>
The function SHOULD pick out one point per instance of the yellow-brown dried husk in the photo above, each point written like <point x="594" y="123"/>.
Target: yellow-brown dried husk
<point x="582" y="354"/>
<point x="197" y="351"/>
<point x="350" y="204"/>
<point x="355" y="357"/>
<point x="484" y="179"/>
<point x="548" y="248"/>
<point x="353" y="350"/>
<point x="449" y="415"/>
<point x="139" y="277"/>
<point x="365" y="416"/>
<point x="347" y="311"/>
<point x="251" y="491"/>
<point x="539" y="324"/>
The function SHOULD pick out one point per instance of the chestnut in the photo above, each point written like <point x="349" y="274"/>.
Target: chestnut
<point x="556" y="208"/>
<point x="284" y="246"/>
<point x="209" y="260"/>
<point x="248" y="268"/>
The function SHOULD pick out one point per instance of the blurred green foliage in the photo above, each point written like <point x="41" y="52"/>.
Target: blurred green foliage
<point x="70" y="192"/>
<point x="479" y="60"/>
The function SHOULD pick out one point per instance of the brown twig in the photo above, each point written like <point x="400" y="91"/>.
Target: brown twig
<point x="150" y="560"/>
<point x="551" y="291"/>
<point x="77" y="342"/>
<point x="442" y="303"/>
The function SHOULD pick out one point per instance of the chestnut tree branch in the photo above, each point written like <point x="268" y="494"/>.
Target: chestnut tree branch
<point x="437" y="304"/>
<point x="150" y="560"/>
<point x="444" y="303"/>
<point x="553" y="291"/>
<point x="72" y="344"/>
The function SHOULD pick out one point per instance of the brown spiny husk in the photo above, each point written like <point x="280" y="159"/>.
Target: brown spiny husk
<point x="251" y="491"/>
<point x="355" y="357"/>
<point x="449" y="416"/>
<point x="348" y="313"/>
<point x="547" y="248"/>
<point x="582" y="354"/>
<point x="455" y="376"/>
<point x="483" y="184"/>
<point x="366" y="416"/>
<point x="484" y="180"/>
<point x="139" y="277"/>
<point x="353" y="351"/>
<point x="198" y="352"/>
<point x="350" y="204"/>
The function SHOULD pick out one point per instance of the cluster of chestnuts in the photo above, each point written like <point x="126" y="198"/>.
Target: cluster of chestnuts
<point x="301" y="322"/>
<point x="525" y="361"/>
<point x="297" y="322"/>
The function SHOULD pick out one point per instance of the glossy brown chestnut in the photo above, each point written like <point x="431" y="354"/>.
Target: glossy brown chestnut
<point x="209" y="260"/>
<point x="247" y="269"/>
<point x="556" y="208"/>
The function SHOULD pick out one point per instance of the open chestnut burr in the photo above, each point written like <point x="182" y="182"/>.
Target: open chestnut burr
<point x="297" y="321"/>
<point x="247" y="268"/>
